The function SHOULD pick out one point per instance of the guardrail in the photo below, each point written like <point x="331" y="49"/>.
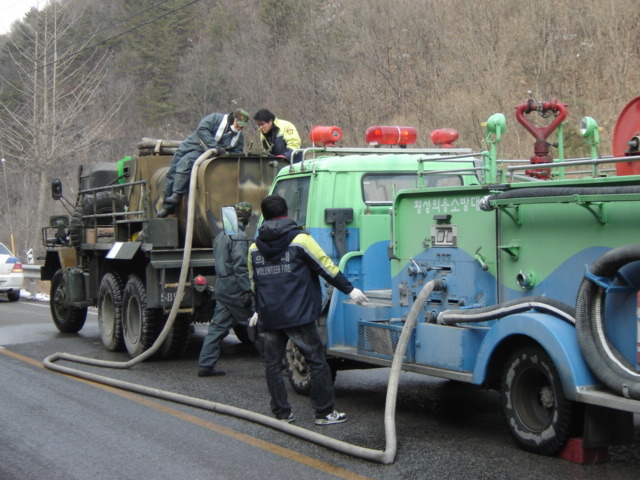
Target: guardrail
<point x="32" y="273"/>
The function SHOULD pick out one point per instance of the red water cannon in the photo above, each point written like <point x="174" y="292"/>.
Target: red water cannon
<point x="323" y="136"/>
<point x="541" y="146"/>
<point x="444" y="137"/>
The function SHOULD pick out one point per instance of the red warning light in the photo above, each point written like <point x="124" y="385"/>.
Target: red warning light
<point x="322" y="136"/>
<point x="199" y="283"/>
<point x="444" y="137"/>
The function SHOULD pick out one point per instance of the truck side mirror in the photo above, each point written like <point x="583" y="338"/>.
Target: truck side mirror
<point x="56" y="189"/>
<point x="229" y="220"/>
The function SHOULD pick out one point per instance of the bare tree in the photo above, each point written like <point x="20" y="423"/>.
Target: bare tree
<point x="51" y="120"/>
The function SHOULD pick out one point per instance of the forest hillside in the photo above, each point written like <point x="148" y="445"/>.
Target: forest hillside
<point x="85" y="80"/>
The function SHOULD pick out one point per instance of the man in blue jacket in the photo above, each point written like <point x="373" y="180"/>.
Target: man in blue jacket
<point x="220" y="131"/>
<point x="284" y="265"/>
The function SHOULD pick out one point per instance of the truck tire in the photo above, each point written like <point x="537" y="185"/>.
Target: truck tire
<point x="538" y="415"/>
<point x="298" y="371"/>
<point x="104" y="203"/>
<point x="110" y="312"/>
<point x="140" y="325"/>
<point x="13" y="295"/>
<point x="67" y="318"/>
<point x="175" y="345"/>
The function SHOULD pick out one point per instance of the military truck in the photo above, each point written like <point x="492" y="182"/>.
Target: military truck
<point x="112" y="252"/>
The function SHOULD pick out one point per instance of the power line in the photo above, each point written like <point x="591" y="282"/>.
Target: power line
<point x="10" y="6"/>
<point x="106" y="40"/>
<point x="117" y="22"/>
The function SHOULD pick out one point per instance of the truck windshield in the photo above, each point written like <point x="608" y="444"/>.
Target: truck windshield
<point x="296" y="192"/>
<point x="379" y="188"/>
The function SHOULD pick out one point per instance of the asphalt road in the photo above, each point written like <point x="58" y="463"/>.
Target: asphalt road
<point x="54" y="426"/>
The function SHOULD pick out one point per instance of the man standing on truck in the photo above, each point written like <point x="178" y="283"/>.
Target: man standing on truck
<point x="279" y="137"/>
<point x="284" y="265"/>
<point x="234" y="300"/>
<point x="220" y="131"/>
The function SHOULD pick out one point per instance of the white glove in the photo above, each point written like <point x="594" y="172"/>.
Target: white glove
<point x="357" y="296"/>
<point x="254" y="320"/>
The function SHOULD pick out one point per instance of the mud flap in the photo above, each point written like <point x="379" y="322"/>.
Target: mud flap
<point x="605" y="427"/>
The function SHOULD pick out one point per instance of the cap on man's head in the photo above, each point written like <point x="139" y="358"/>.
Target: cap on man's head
<point x="243" y="207"/>
<point x="243" y="210"/>
<point x="242" y="117"/>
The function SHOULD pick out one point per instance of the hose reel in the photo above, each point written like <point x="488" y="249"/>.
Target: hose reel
<point x="610" y="366"/>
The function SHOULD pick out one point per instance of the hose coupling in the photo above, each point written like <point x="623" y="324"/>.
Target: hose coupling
<point x="439" y="285"/>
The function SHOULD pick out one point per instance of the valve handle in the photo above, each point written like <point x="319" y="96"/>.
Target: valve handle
<point x="553" y="106"/>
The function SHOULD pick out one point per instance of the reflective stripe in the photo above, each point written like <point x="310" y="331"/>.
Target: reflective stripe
<point x="221" y="128"/>
<point x="314" y="250"/>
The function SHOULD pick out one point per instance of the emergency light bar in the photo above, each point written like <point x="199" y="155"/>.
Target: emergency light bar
<point x="391" y="135"/>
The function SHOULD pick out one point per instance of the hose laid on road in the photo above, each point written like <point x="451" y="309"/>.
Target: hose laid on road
<point x="385" y="456"/>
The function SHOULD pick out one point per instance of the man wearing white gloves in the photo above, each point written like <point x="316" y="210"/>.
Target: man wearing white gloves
<point x="284" y="265"/>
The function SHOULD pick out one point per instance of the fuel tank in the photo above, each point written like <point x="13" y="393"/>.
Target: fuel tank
<point x="223" y="180"/>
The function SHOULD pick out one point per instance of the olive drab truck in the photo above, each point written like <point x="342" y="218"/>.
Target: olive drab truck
<point x="533" y="269"/>
<point x="112" y="252"/>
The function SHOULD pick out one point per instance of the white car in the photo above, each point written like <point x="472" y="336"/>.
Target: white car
<point x="11" y="276"/>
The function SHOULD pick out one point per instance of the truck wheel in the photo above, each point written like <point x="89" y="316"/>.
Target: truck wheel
<point x="177" y="341"/>
<point x="13" y="295"/>
<point x="140" y="325"/>
<point x="298" y="371"/>
<point x="538" y="415"/>
<point x="110" y="312"/>
<point x="67" y="318"/>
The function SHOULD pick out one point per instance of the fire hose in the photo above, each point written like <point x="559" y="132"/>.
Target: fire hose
<point x="385" y="456"/>
<point x="607" y="363"/>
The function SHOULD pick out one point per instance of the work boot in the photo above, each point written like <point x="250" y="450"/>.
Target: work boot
<point x="210" y="372"/>
<point x="174" y="199"/>
<point x="165" y="212"/>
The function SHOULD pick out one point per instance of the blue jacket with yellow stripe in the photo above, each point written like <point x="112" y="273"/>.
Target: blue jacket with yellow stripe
<point x="285" y="263"/>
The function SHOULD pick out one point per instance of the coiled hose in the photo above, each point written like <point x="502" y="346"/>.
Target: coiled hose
<point x="607" y="363"/>
<point x="385" y="456"/>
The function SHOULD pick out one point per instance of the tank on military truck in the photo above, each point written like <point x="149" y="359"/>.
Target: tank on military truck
<point x="112" y="252"/>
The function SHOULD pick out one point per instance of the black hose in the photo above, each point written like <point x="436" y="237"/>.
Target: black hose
<point x="607" y="363"/>
<point x="529" y="192"/>
<point x="547" y="192"/>
<point x="541" y="304"/>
